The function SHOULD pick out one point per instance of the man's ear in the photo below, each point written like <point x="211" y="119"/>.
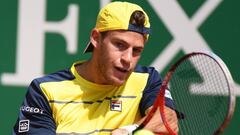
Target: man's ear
<point x="95" y="38"/>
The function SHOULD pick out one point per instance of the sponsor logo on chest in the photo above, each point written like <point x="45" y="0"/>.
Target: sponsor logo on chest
<point x="116" y="105"/>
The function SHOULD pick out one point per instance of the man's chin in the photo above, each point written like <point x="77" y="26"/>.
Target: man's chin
<point x="118" y="82"/>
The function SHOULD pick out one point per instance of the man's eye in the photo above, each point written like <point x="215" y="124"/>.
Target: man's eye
<point x="119" y="45"/>
<point x="137" y="51"/>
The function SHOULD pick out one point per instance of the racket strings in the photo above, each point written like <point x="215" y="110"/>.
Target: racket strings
<point x="181" y="71"/>
<point x="204" y="91"/>
<point x="214" y="80"/>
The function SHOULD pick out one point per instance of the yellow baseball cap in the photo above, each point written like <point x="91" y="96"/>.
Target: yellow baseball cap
<point x="116" y="16"/>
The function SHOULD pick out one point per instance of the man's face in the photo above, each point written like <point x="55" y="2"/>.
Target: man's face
<point x="117" y="55"/>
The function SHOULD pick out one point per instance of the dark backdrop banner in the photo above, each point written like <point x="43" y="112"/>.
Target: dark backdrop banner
<point x="38" y="37"/>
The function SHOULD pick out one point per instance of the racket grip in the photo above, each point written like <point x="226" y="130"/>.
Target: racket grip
<point x="138" y="128"/>
<point x="130" y="128"/>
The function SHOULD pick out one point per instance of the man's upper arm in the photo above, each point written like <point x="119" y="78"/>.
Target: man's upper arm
<point x="35" y="116"/>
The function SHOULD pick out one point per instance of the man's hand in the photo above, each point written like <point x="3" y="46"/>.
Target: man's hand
<point x="120" y="131"/>
<point x="156" y="124"/>
<point x="125" y="130"/>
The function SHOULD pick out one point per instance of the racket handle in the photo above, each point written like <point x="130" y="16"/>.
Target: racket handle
<point x="130" y="128"/>
<point x="138" y="128"/>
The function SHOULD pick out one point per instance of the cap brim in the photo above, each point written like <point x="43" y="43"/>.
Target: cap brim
<point x="89" y="47"/>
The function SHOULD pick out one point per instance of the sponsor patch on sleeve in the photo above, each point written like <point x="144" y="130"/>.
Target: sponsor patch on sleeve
<point x="23" y="125"/>
<point x="168" y="94"/>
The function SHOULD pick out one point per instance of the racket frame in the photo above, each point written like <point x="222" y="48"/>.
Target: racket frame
<point x="160" y="101"/>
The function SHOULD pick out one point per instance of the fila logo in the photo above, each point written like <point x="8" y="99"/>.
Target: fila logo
<point x="116" y="105"/>
<point x="23" y="126"/>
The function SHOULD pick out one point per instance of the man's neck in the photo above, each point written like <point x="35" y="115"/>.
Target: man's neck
<point x="88" y="71"/>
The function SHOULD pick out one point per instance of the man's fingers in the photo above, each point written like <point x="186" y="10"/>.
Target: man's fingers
<point x="120" y="131"/>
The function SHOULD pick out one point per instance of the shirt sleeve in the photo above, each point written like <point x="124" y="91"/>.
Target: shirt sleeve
<point x="151" y="91"/>
<point x="35" y="116"/>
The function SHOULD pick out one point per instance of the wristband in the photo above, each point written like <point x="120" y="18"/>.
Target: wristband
<point x="130" y="128"/>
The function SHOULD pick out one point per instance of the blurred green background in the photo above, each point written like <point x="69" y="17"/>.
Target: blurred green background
<point x="34" y="41"/>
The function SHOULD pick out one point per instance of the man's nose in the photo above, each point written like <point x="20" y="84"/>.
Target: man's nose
<point x="127" y="56"/>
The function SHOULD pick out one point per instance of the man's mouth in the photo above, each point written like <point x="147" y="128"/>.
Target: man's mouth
<point x="122" y="70"/>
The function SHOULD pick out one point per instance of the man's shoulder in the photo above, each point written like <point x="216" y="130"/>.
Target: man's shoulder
<point x="153" y="74"/>
<point x="145" y="69"/>
<point x="57" y="76"/>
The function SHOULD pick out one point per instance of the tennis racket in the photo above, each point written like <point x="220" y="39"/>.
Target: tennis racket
<point x="202" y="90"/>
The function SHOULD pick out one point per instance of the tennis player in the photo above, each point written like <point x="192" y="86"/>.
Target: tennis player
<point x="107" y="94"/>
